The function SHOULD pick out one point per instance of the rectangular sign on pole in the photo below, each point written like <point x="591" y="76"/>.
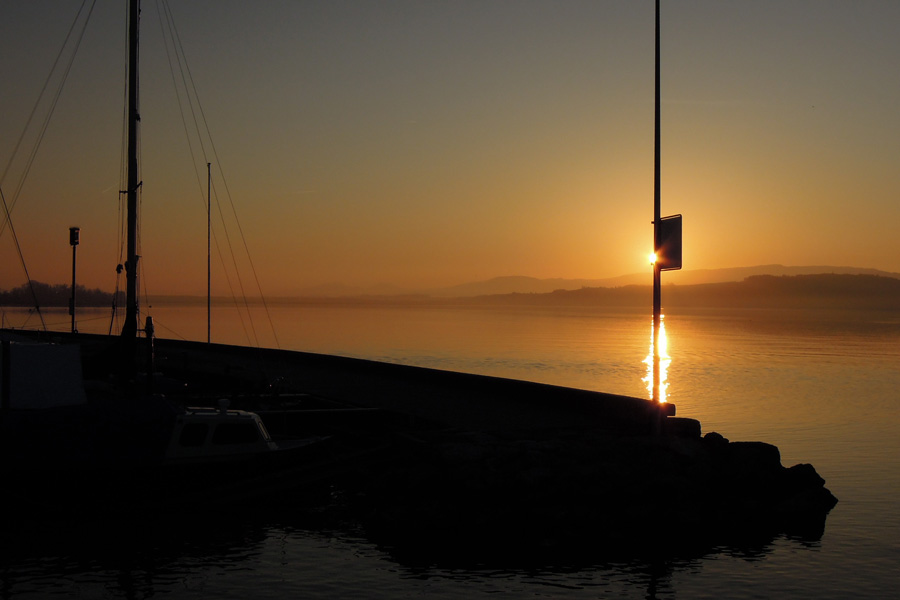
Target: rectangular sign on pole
<point x="669" y="254"/>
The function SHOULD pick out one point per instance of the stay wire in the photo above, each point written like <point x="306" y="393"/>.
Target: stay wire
<point x="12" y="230"/>
<point x="170" y="33"/>
<point x="121" y="216"/>
<point x="233" y="209"/>
<point x="55" y="99"/>
<point x="8" y="207"/>
<point x="229" y="197"/>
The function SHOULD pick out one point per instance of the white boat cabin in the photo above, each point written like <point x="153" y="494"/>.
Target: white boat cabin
<point x="205" y="433"/>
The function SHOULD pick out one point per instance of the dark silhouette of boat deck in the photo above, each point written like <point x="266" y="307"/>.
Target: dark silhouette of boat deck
<point x="461" y="400"/>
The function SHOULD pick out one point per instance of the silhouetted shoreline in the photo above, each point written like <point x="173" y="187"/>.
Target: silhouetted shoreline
<point x="825" y="291"/>
<point x="832" y="291"/>
<point x="55" y="295"/>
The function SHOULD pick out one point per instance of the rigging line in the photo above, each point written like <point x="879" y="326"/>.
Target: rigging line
<point x="181" y="61"/>
<point x="142" y="273"/>
<point x="246" y="248"/>
<point x="12" y="230"/>
<point x="58" y="325"/>
<point x="192" y="98"/>
<point x="82" y="319"/>
<point x="196" y="96"/>
<point x="166" y="41"/>
<point x="114" y="316"/>
<point x="178" y="51"/>
<point x="121" y="215"/>
<point x="237" y="271"/>
<point x="46" y="123"/>
<point x="41" y="94"/>
<point x="240" y="313"/>
<point x="234" y="299"/>
<point x="123" y="163"/>
<point x="157" y="324"/>
<point x="120" y="243"/>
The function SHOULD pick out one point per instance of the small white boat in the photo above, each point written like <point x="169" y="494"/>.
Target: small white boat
<point x="202" y="434"/>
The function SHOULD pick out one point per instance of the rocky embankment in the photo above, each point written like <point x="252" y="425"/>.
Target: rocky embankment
<point x="499" y="495"/>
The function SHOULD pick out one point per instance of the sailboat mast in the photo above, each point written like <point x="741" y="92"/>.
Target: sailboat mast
<point x="129" y="329"/>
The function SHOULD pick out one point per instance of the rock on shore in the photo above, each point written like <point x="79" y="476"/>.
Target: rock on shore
<point x="488" y="492"/>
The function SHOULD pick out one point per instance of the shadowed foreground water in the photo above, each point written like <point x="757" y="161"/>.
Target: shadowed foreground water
<point x="822" y="387"/>
<point x="239" y="557"/>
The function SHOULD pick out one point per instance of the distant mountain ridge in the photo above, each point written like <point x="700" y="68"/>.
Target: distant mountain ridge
<point x="533" y="285"/>
<point x="840" y="291"/>
<point x="56" y="295"/>
<point x="522" y="284"/>
<point x="823" y="290"/>
<point x="514" y="284"/>
<point x="703" y="285"/>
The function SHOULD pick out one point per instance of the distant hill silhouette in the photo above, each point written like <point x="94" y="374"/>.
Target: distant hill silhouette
<point x="521" y="284"/>
<point x="515" y="284"/>
<point x="533" y="285"/>
<point x="871" y="292"/>
<point x="53" y="295"/>
<point x="340" y="290"/>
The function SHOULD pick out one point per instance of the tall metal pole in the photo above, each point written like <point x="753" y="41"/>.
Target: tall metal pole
<point x="129" y="328"/>
<point x="657" y="301"/>
<point x="208" y="271"/>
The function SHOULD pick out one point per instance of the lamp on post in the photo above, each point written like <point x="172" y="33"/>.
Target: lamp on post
<point x="74" y="234"/>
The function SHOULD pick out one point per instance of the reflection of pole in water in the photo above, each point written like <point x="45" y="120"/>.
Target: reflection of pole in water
<point x="657" y="327"/>
<point x="657" y="363"/>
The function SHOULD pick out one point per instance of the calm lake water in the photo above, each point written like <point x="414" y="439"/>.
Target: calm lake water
<point x="822" y="386"/>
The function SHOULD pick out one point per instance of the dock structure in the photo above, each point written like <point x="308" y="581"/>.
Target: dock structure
<point x="445" y="457"/>
<point x="460" y="400"/>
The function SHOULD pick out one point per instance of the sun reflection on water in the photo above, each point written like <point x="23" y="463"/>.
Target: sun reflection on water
<point x="664" y="360"/>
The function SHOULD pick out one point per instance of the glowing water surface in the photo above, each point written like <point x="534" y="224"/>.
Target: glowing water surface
<point x="664" y="361"/>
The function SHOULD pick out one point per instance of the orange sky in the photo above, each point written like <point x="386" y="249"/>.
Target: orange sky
<point x="427" y="144"/>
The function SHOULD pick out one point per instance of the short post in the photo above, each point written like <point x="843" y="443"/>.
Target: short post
<point x="5" y="374"/>
<point x="150" y="333"/>
<point x="73" y="240"/>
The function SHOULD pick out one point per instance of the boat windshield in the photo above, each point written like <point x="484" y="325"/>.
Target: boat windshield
<point x="263" y="431"/>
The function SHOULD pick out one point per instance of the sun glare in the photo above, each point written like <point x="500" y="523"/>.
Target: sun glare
<point x="664" y="361"/>
<point x="652" y="257"/>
